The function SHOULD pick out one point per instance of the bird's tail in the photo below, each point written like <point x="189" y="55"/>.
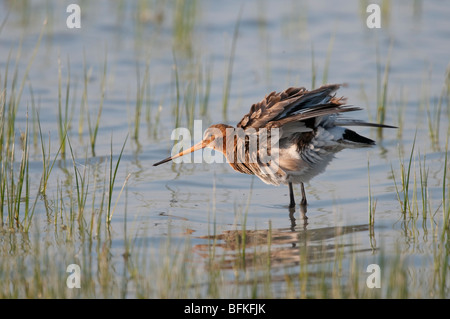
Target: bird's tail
<point x="353" y="140"/>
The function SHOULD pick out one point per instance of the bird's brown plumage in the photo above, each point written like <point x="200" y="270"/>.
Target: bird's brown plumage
<point x="309" y="133"/>
<point x="294" y="104"/>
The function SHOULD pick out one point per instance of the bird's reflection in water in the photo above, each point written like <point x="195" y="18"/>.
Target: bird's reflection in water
<point x="288" y="246"/>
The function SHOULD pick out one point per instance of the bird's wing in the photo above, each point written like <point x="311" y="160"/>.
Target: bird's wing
<point x="293" y="105"/>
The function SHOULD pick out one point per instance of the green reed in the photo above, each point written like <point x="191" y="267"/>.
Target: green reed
<point x="413" y="192"/>
<point x="326" y="63"/>
<point x="405" y="174"/>
<point x="229" y="70"/>
<point x="93" y="130"/>
<point x="81" y="181"/>
<point x="434" y="115"/>
<point x="328" y="58"/>
<point x="401" y="113"/>
<point x="185" y="14"/>
<point x="177" y="92"/>
<point x="47" y="164"/>
<point x="2" y="25"/>
<point x="15" y="194"/>
<point x="63" y="115"/>
<point x="29" y="64"/>
<point x="142" y="95"/>
<point x="194" y="96"/>
<point x="14" y="178"/>
<point x="204" y="89"/>
<point x="190" y="99"/>
<point x="382" y="86"/>
<point x="372" y="204"/>
<point x="445" y="196"/>
<point x="111" y="181"/>
<point x="84" y="98"/>
<point x="313" y="69"/>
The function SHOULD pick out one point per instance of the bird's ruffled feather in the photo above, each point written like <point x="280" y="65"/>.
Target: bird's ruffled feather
<point x="294" y="104"/>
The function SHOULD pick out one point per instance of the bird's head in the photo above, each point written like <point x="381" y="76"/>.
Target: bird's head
<point x="214" y="137"/>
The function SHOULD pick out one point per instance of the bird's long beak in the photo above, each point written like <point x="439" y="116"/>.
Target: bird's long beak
<point x="194" y="148"/>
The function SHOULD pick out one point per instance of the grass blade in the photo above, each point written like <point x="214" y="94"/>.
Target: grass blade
<point x="112" y="179"/>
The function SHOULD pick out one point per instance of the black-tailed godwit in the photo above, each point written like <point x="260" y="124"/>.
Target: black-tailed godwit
<point x="310" y="130"/>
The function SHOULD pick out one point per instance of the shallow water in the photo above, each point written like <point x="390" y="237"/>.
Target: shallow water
<point x="274" y="48"/>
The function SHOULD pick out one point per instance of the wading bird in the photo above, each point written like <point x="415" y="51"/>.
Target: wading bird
<point x="310" y="130"/>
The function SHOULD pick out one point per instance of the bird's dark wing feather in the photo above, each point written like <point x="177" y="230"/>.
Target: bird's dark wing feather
<point x="294" y="104"/>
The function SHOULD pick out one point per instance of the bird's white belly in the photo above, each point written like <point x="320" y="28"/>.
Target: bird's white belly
<point x="302" y="167"/>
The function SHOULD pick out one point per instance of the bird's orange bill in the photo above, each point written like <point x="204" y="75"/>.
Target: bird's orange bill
<point x="194" y="148"/>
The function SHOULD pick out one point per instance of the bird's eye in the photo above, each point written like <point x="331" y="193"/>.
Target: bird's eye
<point x="209" y="134"/>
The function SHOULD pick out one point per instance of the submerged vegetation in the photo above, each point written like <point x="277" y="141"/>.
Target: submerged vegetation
<point x="73" y="187"/>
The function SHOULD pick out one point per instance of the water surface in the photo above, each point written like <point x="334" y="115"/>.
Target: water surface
<point x="279" y="44"/>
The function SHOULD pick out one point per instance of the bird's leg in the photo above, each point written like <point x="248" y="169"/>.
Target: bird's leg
<point x="303" y="202"/>
<point x="291" y="195"/>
